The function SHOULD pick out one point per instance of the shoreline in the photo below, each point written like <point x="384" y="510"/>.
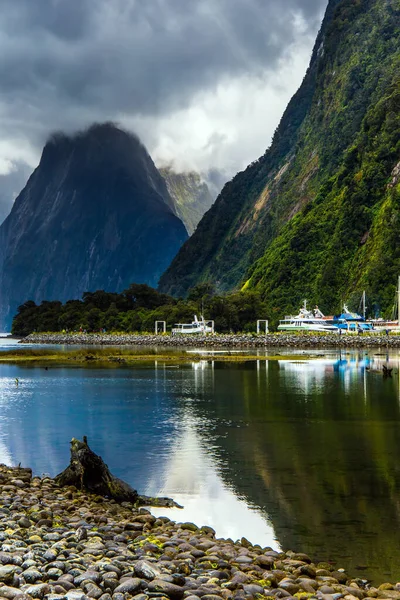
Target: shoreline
<point x="227" y="341"/>
<point x="67" y="544"/>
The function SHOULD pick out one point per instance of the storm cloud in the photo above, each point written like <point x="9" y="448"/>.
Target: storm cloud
<point x="203" y="82"/>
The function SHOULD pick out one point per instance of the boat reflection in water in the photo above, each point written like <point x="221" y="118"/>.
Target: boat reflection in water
<point x="314" y="373"/>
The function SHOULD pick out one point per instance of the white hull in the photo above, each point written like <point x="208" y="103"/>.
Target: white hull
<point x="308" y="327"/>
<point x="196" y="327"/>
<point x="394" y="328"/>
<point x="192" y="330"/>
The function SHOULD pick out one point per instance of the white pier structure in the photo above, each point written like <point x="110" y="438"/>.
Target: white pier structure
<point x="259" y="322"/>
<point x="157" y="326"/>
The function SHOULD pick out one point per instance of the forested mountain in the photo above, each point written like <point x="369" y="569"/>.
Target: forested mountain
<point x="95" y="214"/>
<point x="190" y="194"/>
<point x="318" y="214"/>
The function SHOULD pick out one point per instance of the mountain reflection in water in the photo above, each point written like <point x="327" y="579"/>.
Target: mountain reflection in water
<point x="301" y="454"/>
<point x="192" y="479"/>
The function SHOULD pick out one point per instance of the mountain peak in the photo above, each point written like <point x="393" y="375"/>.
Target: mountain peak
<point x="190" y="193"/>
<point x="95" y="214"/>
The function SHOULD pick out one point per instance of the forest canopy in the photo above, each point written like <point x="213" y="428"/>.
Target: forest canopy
<point x="137" y="308"/>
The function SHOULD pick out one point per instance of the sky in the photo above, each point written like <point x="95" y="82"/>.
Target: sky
<point x="202" y="82"/>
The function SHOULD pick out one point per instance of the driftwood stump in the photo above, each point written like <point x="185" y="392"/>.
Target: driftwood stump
<point x="88" y="471"/>
<point x="386" y="371"/>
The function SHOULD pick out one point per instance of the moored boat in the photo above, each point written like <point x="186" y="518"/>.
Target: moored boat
<point x="307" y="320"/>
<point x="196" y="326"/>
<point x="351" y="321"/>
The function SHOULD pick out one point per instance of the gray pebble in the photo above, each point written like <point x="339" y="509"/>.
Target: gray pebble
<point x="129" y="586"/>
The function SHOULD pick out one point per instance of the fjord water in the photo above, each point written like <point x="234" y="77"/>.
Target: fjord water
<point x="302" y="455"/>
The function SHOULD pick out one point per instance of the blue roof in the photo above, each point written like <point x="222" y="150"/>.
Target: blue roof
<point x="349" y="317"/>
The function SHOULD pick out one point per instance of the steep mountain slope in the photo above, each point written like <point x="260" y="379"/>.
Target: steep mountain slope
<point x="190" y="194"/>
<point x="316" y="216"/>
<point x="95" y="214"/>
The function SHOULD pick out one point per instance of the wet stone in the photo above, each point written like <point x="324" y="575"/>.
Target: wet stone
<point x="27" y="564"/>
<point x="34" y="539"/>
<point x="252" y="589"/>
<point x="10" y="592"/>
<point x="289" y="586"/>
<point x="24" y="522"/>
<point x="146" y="570"/>
<point x="307" y="587"/>
<point x="37" y="591"/>
<point x="266" y="562"/>
<point x="67" y="585"/>
<point x="340" y="576"/>
<point x="112" y="569"/>
<point x="76" y="595"/>
<point x="58" y="589"/>
<point x="169" y="589"/>
<point x="354" y="591"/>
<point x="308" y="570"/>
<point x="81" y="534"/>
<point x="51" y="537"/>
<point x="326" y="589"/>
<point x="93" y="591"/>
<point x="282" y="594"/>
<point x="7" y="573"/>
<point x="31" y="575"/>
<point x="244" y="560"/>
<point x="54" y="573"/>
<point x="130" y="586"/>
<point x="88" y="575"/>
<point x="189" y="526"/>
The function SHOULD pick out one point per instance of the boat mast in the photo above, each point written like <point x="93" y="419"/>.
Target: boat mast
<point x="363" y="304"/>
<point x="398" y="301"/>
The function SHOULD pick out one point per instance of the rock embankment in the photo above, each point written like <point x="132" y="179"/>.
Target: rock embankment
<point x="217" y="341"/>
<point x="63" y="544"/>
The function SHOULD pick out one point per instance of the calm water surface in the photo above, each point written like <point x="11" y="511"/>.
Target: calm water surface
<point x="299" y="455"/>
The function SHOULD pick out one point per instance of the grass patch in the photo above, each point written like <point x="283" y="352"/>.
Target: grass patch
<point x="122" y="356"/>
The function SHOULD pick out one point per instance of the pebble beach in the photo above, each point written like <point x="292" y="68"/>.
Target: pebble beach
<point x="218" y="341"/>
<point x="65" y="544"/>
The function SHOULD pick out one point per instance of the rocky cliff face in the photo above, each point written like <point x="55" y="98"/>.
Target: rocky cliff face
<point x="190" y="194"/>
<point x="317" y="216"/>
<point x="95" y="214"/>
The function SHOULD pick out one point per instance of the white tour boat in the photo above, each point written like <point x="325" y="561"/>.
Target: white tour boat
<point x="196" y="326"/>
<point x="307" y="320"/>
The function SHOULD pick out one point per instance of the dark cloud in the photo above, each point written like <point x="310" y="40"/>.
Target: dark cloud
<point x="130" y="55"/>
<point x="65" y="63"/>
